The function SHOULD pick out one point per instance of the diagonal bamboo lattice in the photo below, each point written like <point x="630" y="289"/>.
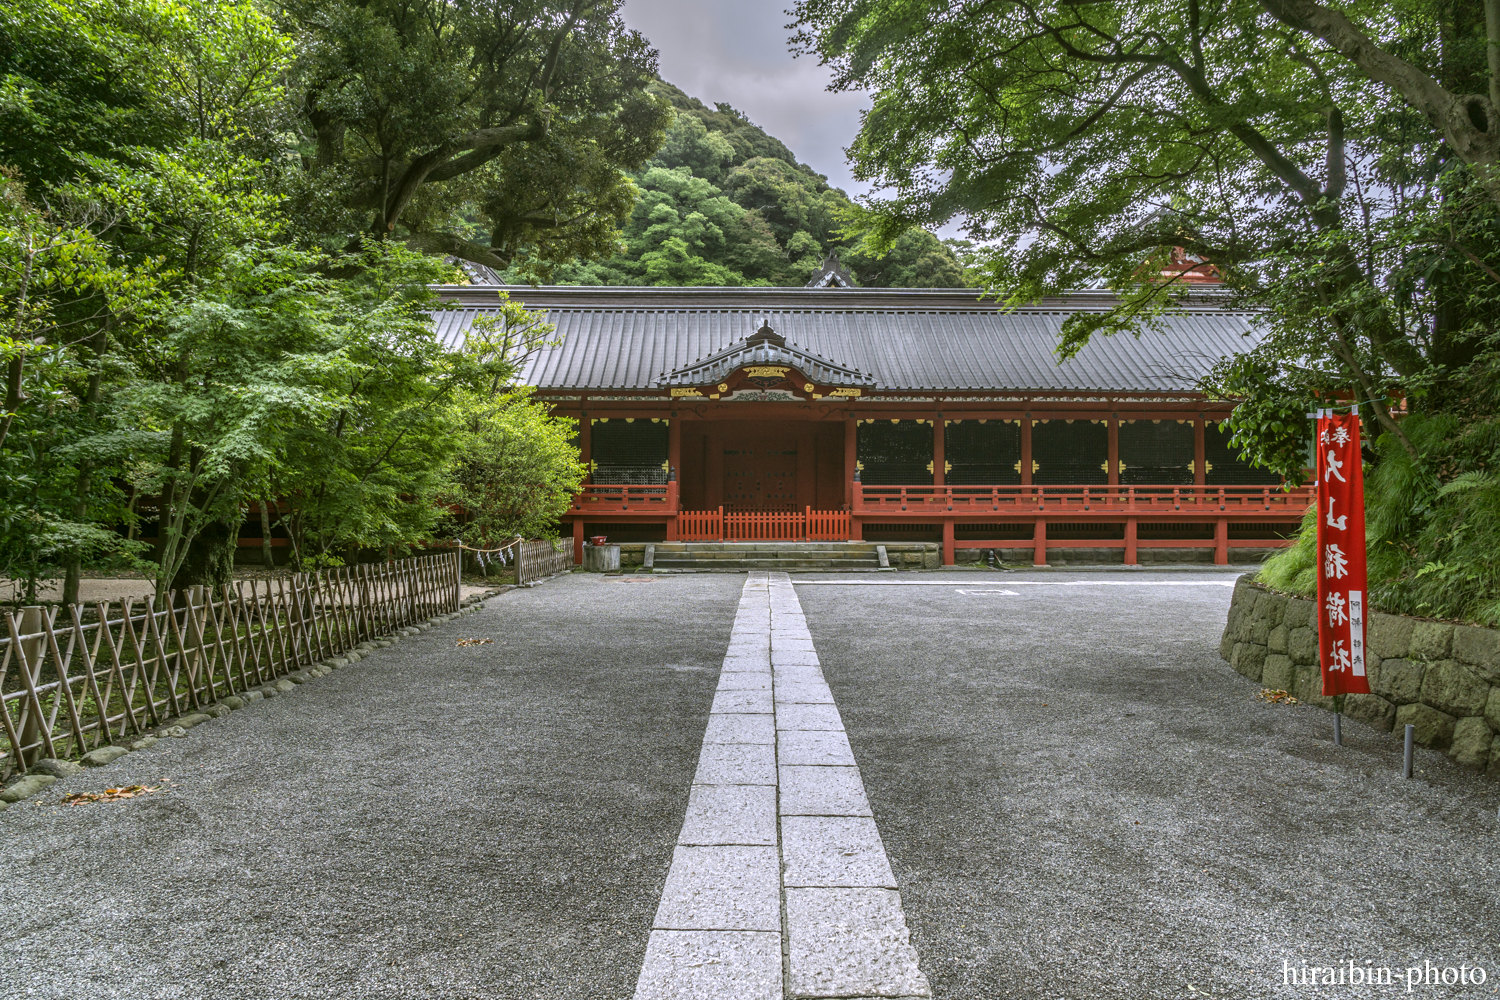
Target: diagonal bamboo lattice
<point x="76" y="679"/>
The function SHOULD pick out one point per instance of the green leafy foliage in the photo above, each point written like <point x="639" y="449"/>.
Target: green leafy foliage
<point x="1080" y="143"/>
<point x="489" y="131"/>
<point x="723" y="203"/>
<point x="516" y="473"/>
<point x="182" y="340"/>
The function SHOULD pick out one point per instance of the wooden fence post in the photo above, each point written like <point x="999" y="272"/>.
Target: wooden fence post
<point x="31" y="662"/>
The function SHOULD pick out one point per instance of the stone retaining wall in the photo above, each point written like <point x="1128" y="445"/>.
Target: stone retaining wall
<point x="1444" y="679"/>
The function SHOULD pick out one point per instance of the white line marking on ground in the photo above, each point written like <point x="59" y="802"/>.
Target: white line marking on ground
<point x="777" y="822"/>
<point x="1007" y="593"/>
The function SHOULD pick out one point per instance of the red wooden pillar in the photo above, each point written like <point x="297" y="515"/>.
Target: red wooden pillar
<point x="1039" y="543"/>
<point x="1130" y="539"/>
<point x="1026" y="450"/>
<point x="1221" y="542"/>
<point x="851" y="460"/>
<point x="577" y="541"/>
<point x="947" y="541"/>
<point x="1200" y="470"/>
<point x="939" y="449"/>
<point x="1114" y="450"/>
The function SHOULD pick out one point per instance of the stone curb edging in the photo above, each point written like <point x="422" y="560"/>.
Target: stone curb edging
<point x="1442" y="678"/>
<point x="47" y="771"/>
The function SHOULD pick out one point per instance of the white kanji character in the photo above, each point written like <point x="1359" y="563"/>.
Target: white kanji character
<point x="1335" y="563"/>
<point x="1334" y="465"/>
<point x="1323" y="436"/>
<point x="1335" y="608"/>
<point x="1341" y="660"/>
<point x="1341" y="435"/>
<point x="1336" y="522"/>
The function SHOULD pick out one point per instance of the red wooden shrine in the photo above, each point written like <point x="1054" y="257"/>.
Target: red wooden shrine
<point x="757" y="403"/>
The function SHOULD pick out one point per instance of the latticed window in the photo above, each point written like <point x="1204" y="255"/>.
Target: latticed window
<point x="1226" y="466"/>
<point x="629" y="451"/>
<point x="1069" y="451"/>
<point x="1156" y="452"/>
<point x="982" y="452"/>
<point x="894" y="452"/>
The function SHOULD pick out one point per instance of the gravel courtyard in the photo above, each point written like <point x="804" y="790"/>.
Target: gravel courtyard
<point x="1077" y="797"/>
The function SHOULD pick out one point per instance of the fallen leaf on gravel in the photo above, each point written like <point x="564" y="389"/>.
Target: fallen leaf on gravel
<point x="475" y="642"/>
<point x="1276" y="696"/>
<point x="108" y="795"/>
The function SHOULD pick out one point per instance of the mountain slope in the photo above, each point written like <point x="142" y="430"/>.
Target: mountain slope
<point x="725" y="203"/>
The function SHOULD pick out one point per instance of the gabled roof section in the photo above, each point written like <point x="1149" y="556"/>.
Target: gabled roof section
<point x="765" y="347"/>
<point x="831" y="275"/>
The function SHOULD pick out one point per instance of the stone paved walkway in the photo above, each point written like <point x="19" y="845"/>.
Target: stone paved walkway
<point x="989" y="785"/>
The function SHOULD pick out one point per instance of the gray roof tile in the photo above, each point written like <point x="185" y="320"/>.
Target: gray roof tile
<point x="906" y="339"/>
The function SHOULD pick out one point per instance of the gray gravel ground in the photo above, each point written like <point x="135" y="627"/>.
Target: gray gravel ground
<point x="1081" y="800"/>
<point x="434" y="822"/>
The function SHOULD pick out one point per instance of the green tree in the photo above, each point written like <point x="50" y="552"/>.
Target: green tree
<point x="477" y="130"/>
<point x="1081" y="142"/>
<point x="517" y="471"/>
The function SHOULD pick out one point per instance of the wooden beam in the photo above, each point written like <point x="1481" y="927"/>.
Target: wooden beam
<point x="586" y="451"/>
<point x="851" y="459"/>
<point x="1114" y="449"/>
<point x="1200" y="457"/>
<point x="1026" y="450"/>
<point x="939" y="449"/>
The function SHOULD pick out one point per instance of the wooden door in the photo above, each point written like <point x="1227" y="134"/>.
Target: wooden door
<point x="760" y="472"/>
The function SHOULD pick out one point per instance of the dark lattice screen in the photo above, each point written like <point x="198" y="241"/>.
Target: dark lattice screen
<point x="1069" y="451"/>
<point x="1225" y="466"/>
<point x="1156" y="451"/>
<point x="894" y="452"/>
<point x="629" y="451"/>
<point x="986" y="453"/>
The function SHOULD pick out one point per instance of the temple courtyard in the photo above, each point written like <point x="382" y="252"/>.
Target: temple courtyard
<point x="957" y="784"/>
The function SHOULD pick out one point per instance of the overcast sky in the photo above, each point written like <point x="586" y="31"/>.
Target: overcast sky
<point x="736" y="51"/>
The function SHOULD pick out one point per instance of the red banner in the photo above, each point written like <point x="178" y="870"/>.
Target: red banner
<point x="1342" y="583"/>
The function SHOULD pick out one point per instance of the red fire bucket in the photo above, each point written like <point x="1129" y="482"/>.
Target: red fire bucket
<point x="597" y="540"/>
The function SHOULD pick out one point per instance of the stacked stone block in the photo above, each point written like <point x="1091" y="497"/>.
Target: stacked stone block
<point x="1443" y="679"/>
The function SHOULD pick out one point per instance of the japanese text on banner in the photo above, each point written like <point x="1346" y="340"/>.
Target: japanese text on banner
<point x="1341" y="555"/>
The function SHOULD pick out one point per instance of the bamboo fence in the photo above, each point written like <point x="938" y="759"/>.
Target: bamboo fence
<point x="78" y="678"/>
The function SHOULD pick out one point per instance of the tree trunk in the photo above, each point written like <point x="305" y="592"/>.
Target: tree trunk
<point x="268" y="555"/>
<point x="210" y="557"/>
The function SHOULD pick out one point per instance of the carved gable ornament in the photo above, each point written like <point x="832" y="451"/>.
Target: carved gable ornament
<point x="763" y="362"/>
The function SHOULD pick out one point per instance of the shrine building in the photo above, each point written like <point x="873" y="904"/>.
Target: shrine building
<point x="894" y="414"/>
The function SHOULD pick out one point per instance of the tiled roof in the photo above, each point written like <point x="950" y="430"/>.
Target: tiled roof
<point x="903" y="339"/>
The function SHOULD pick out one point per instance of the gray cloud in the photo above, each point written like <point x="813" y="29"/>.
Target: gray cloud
<point x="736" y="51"/>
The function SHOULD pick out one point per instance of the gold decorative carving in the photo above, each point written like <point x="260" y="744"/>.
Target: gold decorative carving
<point x="687" y="392"/>
<point x="847" y="392"/>
<point x="765" y="371"/>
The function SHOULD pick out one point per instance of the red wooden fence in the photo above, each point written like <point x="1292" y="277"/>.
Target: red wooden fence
<point x="717" y="526"/>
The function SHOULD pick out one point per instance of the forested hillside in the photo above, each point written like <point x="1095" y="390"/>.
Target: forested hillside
<point x="723" y="203"/>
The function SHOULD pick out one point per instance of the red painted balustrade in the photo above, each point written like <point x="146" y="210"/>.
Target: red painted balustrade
<point x="659" y="498"/>
<point x="1074" y="501"/>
